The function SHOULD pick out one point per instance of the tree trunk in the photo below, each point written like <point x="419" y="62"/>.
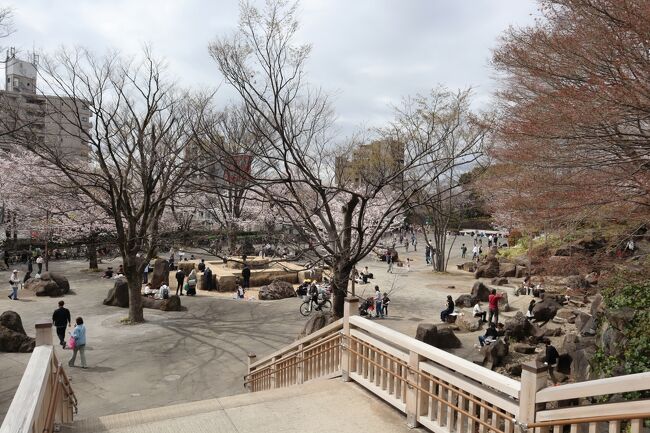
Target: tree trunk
<point x="134" y="278"/>
<point x="92" y="254"/>
<point x="340" y="279"/>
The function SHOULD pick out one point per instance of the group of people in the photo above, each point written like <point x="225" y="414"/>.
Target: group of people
<point x="378" y="302"/>
<point x="62" y="320"/>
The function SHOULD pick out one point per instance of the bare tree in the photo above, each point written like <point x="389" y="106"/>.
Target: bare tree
<point x="137" y="142"/>
<point x="444" y="123"/>
<point x="341" y="217"/>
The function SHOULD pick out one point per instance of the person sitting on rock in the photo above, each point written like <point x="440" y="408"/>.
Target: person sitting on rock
<point x="529" y="313"/>
<point x="490" y="335"/>
<point x="478" y="312"/>
<point x="148" y="291"/>
<point x="108" y="273"/>
<point x="444" y="314"/>
<point x="201" y="266"/>
<point x="163" y="292"/>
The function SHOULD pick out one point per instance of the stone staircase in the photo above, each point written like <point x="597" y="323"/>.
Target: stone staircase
<point x="318" y="406"/>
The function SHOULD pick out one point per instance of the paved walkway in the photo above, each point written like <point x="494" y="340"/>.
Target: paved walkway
<point x="198" y="354"/>
<point x="320" y="406"/>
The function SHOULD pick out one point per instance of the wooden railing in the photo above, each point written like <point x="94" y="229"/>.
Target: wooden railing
<point x="44" y="396"/>
<point x="585" y="406"/>
<point x="315" y="356"/>
<point x="448" y="394"/>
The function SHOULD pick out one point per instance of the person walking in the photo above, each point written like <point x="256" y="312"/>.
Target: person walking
<point x="379" y="311"/>
<point x="13" y="282"/>
<point x="463" y="251"/>
<point x="475" y="253"/>
<point x="39" y="263"/>
<point x="180" y="277"/>
<point x="389" y="260"/>
<point x="61" y="320"/>
<point x="79" y="336"/>
<point x="493" y="306"/>
<point x="246" y="276"/>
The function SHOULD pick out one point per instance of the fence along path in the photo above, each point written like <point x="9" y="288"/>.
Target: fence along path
<point x="448" y="394"/>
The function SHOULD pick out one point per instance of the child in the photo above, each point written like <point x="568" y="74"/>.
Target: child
<point x="384" y="303"/>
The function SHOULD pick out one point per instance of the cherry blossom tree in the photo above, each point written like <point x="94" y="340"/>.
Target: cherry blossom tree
<point x="40" y="196"/>
<point x="138" y="142"/>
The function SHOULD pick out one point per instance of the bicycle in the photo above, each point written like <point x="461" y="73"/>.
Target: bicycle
<point x="306" y="307"/>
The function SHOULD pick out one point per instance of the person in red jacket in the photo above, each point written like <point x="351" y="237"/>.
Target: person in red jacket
<point x="493" y="303"/>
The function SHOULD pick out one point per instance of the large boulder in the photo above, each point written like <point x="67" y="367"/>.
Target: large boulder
<point x="546" y="309"/>
<point x="521" y="271"/>
<point x="480" y="292"/>
<point x="499" y="281"/>
<point x="317" y="322"/>
<point x="171" y="304"/>
<point x="160" y="274"/>
<point x="585" y="324"/>
<point x="503" y="301"/>
<point x="507" y="269"/>
<point x="12" y="334"/>
<point x="118" y="296"/>
<point x="494" y="354"/>
<point x="519" y="328"/>
<point x="581" y="350"/>
<point x="465" y="301"/>
<point x="469" y="266"/>
<point x="278" y="289"/>
<point x="49" y="284"/>
<point x="441" y="337"/>
<point x="619" y="318"/>
<point x="11" y="320"/>
<point x="489" y="268"/>
<point x="575" y="282"/>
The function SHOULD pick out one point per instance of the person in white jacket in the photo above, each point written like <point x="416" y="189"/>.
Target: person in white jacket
<point x="479" y="313"/>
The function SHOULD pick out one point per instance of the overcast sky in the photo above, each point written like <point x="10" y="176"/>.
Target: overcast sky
<point x="366" y="53"/>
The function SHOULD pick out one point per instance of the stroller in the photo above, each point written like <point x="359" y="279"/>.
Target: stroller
<point x="367" y="304"/>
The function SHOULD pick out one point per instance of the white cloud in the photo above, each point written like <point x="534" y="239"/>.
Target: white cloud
<point x="366" y="53"/>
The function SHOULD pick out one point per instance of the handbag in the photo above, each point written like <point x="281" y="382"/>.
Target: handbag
<point x="71" y="343"/>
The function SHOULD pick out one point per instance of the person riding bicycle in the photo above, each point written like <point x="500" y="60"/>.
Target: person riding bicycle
<point x="313" y="293"/>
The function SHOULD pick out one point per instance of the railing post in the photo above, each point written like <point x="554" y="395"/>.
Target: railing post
<point x="300" y="366"/>
<point x="251" y="360"/>
<point x="350" y="308"/>
<point x="44" y="334"/>
<point x="274" y="366"/>
<point x="533" y="378"/>
<point x="411" y="391"/>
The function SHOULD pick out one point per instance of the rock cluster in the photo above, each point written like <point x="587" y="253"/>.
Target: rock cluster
<point x="49" y="284"/>
<point x="278" y="289"/>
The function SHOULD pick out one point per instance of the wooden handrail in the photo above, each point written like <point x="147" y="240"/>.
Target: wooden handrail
<point x="51" y="407"/>
<point x="483" y="375"/>
<point x="610" y="385"/>
<point x="335" y="326"/>
<point x="263" y="373"/>
<point x="605" y="418"/>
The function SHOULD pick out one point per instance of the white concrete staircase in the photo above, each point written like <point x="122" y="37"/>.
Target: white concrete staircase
<point x="318" y="406"/>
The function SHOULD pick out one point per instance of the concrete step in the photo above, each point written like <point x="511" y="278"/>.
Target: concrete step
<point x="318" y="406"/>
